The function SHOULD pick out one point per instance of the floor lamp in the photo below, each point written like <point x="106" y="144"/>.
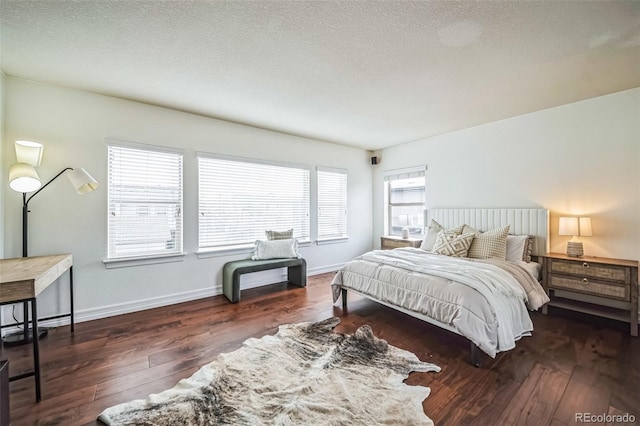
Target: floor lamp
<point x="24" y="178"/>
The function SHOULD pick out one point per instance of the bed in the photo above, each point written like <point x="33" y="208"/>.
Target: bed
<point x="487" y="300"/>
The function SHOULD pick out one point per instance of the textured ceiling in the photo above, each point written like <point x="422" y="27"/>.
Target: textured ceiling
<point x="369" y="74"/>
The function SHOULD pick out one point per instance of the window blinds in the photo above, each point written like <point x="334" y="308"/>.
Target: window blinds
<point x="332" y="203"/>
<point x="404" y="198"/>
<point x="145" y="202"/>
<point x="240" y="199"/>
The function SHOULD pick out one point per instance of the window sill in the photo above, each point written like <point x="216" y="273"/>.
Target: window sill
<point x="233" y="250"/>
<point x="224" y="251"/>
<point x="335" y="240"/>
<point x="142" y="260"/>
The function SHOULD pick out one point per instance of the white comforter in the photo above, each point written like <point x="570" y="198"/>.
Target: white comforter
<point x="485" y="301"/>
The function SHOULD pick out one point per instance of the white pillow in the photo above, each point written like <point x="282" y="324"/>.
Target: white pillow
<point x="517" y="247"/>
<point x="276" y="249"/>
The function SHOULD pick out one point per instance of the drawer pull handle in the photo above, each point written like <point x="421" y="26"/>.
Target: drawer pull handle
<point x="585" y="281"/>
<point x="585" y="264"/>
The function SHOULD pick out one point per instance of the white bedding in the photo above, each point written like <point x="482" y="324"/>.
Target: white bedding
<point x="533" y="268"/>
<point x="484" y="300"/>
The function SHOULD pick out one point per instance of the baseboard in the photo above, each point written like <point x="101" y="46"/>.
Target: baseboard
<point x="247" y="282"/>
<point x="325" y="269"/>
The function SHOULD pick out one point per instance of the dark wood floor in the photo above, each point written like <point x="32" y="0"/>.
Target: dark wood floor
<point x="571" y="364"/>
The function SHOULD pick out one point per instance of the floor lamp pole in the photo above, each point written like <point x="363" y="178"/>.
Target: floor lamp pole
<point x="25" y="212"/>
<point x="25" y="216"/>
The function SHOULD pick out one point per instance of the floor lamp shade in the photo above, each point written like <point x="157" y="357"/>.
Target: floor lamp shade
<point x="23" y="178"/>
<point x="82" y="181"/>
<point x="29" y="152"/>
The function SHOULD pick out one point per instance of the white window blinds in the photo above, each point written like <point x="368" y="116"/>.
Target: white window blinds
<point x="332" y="203"/>
<point x="404" y="199"/>
<point x="145" y="201"/>
<point x="240" y="199"/>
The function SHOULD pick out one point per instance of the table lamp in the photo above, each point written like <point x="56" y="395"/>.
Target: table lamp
<point x="575" y="226"/>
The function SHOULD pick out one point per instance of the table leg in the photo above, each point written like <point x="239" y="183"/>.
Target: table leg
<point x="36" y="349"/>
<point x="71" y="297"/>
<point x="25" y="322"/>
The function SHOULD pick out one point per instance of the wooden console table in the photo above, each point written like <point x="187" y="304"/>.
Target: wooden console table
<point x="22" y="279"/>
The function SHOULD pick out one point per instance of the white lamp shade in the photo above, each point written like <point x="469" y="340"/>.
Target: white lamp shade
<point x="568" y="226"/>
<point x="585" y="227"/>
<point x="82" y="181"/>
<point x="29" y="152"/>
<point x="24" y="178"/>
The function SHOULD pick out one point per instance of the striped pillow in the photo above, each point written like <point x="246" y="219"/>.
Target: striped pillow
<point x="279" y="235"/>
<point x="490" y="244"/>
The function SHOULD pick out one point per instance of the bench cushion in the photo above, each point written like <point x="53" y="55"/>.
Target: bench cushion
<point x="248" y="265"/>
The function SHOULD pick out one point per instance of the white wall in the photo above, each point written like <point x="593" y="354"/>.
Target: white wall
<point x="3" y="168"/>
<point x="73" y="125"/>
<point x="577" y="159"/>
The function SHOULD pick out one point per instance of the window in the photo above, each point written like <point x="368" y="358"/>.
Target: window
<point x="332" y="203"/>
<point x="145" y="201"/>
<point x="240" y="198"/>
<point x="404" y="196"/>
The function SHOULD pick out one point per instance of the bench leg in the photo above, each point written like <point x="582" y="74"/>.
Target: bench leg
<point x="297" y="275"/>
<point x="231" y="287"/>
<point x="344" y="298"/>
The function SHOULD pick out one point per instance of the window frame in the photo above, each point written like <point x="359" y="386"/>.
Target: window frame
<point x="398" y="174"/>
<point x="232" y="248"/>
<point x="150" y="257"/>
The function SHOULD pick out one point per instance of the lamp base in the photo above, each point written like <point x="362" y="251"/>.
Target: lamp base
<point x="17" y="338"/>
<point x="574" y="249"/>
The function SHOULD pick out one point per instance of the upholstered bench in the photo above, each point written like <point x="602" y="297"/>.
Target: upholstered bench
<point x="296" y="273"/>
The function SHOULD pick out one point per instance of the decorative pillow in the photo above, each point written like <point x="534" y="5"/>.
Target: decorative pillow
<point x="276" y="249"/>
<point x="517" y="247"/>
<point x="529" y="249"/>
<point x="432" y="234"/>
<point x="279" y="235"/>
<point x="451" y="244"/>
<point x="490" y="244"/>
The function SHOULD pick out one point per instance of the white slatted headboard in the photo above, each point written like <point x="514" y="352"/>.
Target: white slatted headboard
<point x="534" y="222"/>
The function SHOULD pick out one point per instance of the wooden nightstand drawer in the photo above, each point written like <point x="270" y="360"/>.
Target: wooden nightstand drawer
<point x="389" y="243"/>
<point x="589" y="286"/>
<point x="591" y="270"/>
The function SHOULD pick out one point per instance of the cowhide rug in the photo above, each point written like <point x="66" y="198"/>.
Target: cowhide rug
<point x="304" y="375"/>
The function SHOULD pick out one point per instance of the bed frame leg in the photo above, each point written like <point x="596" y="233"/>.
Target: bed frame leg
<point x="344" y="298"/>
<point x="476" y="353"/>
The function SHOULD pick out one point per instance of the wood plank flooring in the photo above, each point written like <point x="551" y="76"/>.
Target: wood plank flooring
<point x="573" y="364"/>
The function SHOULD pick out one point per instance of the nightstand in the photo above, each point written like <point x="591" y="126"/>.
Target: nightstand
<point x="391" y="242"/>
<point x="593" y="285"/>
